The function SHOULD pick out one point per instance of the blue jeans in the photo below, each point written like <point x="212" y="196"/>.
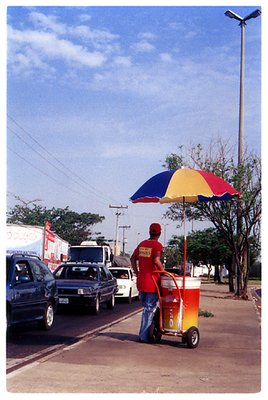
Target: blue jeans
<point x="148" y="301"/>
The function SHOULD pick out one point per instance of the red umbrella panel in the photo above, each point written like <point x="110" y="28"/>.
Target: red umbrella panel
<point x="184" y="186"/>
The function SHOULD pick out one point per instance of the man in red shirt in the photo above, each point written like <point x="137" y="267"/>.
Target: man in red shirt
<point x="144" y="260"/>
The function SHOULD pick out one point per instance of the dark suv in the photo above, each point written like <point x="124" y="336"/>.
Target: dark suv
<point x="31" y="292"/>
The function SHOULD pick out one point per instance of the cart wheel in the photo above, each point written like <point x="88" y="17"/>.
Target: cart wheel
<point x="191" y="337"/>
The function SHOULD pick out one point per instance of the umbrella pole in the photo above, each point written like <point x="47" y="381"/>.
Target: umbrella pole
<point x="184" y="250"/>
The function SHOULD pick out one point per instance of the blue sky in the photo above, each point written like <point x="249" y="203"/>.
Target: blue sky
<point x="97" y="97"/>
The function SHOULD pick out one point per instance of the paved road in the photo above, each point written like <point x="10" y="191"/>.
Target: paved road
<point x="26" y="342"/>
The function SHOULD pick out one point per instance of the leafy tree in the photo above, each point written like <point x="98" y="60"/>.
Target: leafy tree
<point x="208" y="247"/>
<point x="69" y="225"/>
<point x="218" y="159"/>
<point x="174" y="252"/>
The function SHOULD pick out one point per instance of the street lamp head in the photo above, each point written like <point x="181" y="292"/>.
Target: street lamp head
<point x="231" y="14"/>
<point x="254" y="14"/>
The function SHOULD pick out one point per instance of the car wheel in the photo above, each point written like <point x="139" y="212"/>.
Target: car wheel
<point x="8" y="320"/>
<point x="8" y="324"/>
<point x="96" y="307"/>
<point x="48" y="317"/>
<point x="110" y="303"/>
<point x="129" y="299"/>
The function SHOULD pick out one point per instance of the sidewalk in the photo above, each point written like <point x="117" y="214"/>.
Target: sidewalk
<point x="227" y="360"/>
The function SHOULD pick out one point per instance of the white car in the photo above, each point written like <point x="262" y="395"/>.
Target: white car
<point x="126" y="282"/>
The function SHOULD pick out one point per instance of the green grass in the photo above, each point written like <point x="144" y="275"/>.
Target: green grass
<point x="205" y="313"/>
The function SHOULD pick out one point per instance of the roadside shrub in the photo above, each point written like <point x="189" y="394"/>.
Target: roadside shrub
<point x="205" y="313"/>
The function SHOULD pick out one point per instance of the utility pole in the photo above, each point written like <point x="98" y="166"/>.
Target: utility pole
<point x="124" y="227"/>
<point x="118" y="213"/>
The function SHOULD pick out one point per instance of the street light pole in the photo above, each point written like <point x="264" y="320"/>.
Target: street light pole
<point x="241" y="98"/>
<point x="242" y="24"/>
<point x="240" y="163"/>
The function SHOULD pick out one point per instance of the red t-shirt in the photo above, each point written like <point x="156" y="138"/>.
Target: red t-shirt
<point x="146" y="252"/>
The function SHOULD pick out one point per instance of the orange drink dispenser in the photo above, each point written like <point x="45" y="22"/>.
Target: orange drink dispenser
<point x="180" y="305"/>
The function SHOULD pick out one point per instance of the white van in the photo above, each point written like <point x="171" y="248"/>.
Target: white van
<point x="126" y="282"/>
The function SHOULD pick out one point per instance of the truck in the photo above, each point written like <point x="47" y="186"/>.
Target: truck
<point x="92" y="252"/>
<point x="39" y="241"/>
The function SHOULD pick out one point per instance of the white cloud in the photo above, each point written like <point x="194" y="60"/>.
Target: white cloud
<point x="123" y="61"/>
<point x="78" y="46"/>
<point x="147" y="35"/>
<point x="95" y="35"/>
<point x="25" y="63"/>
<point x="187" y="30"/>
<point x="166" y="57"/>
<point x="176" y="89"/>
<point x="190" y="34"/>
<point x="50" y="23"/>
<point x="84" y="17"/>
<point x="138" y="150"/>
<point x="48" y="46"/>
<point x="143" y="46"/>
<point x="47" y="22"/>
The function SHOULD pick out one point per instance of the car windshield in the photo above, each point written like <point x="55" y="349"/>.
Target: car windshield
<point x="86" y="254"/>
<point x="78" y="272"/>
<point x="120" y="273"/>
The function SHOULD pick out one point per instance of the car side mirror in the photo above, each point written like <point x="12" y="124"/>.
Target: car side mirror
<point x="24" y="279"/>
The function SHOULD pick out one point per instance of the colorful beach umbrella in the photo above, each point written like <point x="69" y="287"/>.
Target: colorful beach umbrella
<point x="184" y="186"/>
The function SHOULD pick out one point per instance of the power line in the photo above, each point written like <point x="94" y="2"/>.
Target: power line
<point x="46" y="174"/>
<point x="51" y="163"/>
<point x="35" y="151"/>
<point x="93" y="190"/>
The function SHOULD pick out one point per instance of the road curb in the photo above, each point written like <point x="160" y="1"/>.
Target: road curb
<point x="46" y="354"/>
